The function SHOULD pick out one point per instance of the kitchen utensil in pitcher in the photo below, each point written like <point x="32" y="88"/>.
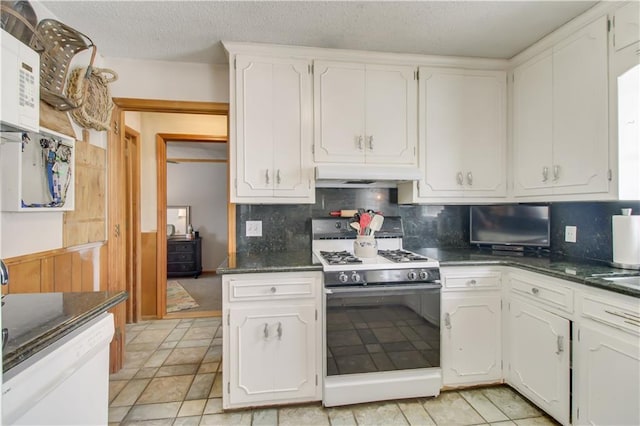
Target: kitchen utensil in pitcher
<point x="356" y="226"/>
<point x="376" y="223"/>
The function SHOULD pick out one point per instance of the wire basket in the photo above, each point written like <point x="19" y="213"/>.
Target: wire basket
<point x="18" y="19"/>
<point x="61" y="43"/>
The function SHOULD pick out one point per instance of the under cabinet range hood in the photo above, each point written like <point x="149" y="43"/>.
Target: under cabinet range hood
<point x="364" y="176"/>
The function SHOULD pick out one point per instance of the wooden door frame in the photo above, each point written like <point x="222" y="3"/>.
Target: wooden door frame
<point x="132" y="230"/>
<point x="161" y="238"/>
<point x="122" y="105"/>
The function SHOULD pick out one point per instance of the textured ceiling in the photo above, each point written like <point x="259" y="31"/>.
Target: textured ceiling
<point x="191" y="31"/>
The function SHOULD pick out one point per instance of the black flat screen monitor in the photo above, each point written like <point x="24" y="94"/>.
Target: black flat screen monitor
<point x="510" y="225"/>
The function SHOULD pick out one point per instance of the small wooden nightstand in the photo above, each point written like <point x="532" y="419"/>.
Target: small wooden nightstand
<point x="184" y="257"/>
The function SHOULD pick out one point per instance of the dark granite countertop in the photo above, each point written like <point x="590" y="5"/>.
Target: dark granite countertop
<point x="284" y="261"/>
<point x="36" y="320"/>
<point x="589" y="273"/>
<point x="582" y="272"/>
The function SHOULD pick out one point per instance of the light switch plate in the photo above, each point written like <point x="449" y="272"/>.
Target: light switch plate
<point x="570" y="234"/>
<point x="254" y="228"/>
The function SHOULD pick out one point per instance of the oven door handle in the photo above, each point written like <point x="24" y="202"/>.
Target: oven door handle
<point x="379" y="288"/>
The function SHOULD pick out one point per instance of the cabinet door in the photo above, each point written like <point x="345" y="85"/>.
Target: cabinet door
<point x="607" y="365"/>
<point x="462" y="131"/>
<point x="533" y="126"/>
<point x="275" y="351"/>
<point x="626" y="25"/>
<point x="471" y="339"/>
<point x="580" y="112"/>
<point x="293" y="127"/>
<point x="539" y="346"/>
<point x="339" y="99"/>
<point x="273" y="122"/>
<point x="391" y="113"/>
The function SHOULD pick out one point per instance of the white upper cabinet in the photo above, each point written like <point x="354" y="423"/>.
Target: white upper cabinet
<point x="560" y="117"/>
<point x="365" y="113"/>
<point x="271" y="131"/>
<point x="626" y="25"/>
<point x="462" y="135"/>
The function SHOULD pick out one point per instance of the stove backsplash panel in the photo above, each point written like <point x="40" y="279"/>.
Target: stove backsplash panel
<point x="287" y="227"/>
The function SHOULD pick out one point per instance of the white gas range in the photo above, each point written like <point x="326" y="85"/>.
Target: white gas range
<point x="382" y="316"/>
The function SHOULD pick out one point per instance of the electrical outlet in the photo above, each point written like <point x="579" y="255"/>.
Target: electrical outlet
<point x="254" y="228"/>
<point x="570" y="233"/>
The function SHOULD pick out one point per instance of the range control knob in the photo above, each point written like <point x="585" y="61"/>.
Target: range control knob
<point x="424" y="275"/>
<point x="343" y="278"/>
<point x="355" y="277"/>
<point x="412" y="276"/>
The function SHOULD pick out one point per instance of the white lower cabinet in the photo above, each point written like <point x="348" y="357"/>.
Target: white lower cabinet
<point x="471" y="332"/>
<point x="471" y="339"/>
<point x="539" y="357"/>
<point x="272" y="339"/>
<point x="607" y="363"/>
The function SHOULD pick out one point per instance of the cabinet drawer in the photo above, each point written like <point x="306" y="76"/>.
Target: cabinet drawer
<point x="621" y="316"/>
<point x="285" y="288"/>
<point x="472" y="281"/>
<point x="181" y="267"/>
<point x="180" y="247"/>
<point x="180" y="257"/>
<point x="546" y="291"/>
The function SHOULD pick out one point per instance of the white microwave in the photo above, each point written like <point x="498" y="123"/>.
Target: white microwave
<point x="20" y="89"/>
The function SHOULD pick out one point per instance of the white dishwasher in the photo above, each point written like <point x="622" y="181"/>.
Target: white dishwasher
<point x="67" y="383"/>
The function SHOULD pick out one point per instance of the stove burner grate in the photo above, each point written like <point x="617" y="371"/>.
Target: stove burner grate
<point x="339" y="257"/>
<point x="401" y="256"/>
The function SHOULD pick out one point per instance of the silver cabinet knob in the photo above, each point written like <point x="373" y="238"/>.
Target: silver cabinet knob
<point x="460" y="178"/>
<point x="470" y="178"/>
<point x="371" y="143"/>
<point x="545" y="174"/>
<point x="266" y="176"/>
<point x="278" y="180"/>
<point x="272" y="289"/>
<point x="359" y="142"/>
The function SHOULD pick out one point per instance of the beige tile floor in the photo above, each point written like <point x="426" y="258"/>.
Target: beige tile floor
<point x="172" y="376"/>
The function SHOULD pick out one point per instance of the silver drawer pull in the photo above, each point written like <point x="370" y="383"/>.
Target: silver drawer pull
<point x="272" y="289"/>
<point x="266" y="330"/>
<point x="266" y="176"/>
<point x="460" y="178"/>
<point x="371" y="143"/>
<point x="279" y="331"/>
<point x="472" y="282"/>
<point x="535" y="291"/>
<point x="545" y="174"/>
<point x="470" y="178"/>
<point x="359" y="142"/>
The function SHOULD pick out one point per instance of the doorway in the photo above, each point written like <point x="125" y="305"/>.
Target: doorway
<point x="179" y="294"/>
<point x="123" y="268"/>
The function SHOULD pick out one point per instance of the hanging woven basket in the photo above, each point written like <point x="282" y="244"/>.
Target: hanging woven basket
<point x="88" y="88"/>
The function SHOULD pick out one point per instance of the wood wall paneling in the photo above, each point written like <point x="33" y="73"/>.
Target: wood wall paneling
<point x="149" y="287"/>
<point x="86" y="223"/>
<point x="79" y="268"/>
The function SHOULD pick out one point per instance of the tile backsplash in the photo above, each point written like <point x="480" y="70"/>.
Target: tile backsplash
<point x="287" y="227"/>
